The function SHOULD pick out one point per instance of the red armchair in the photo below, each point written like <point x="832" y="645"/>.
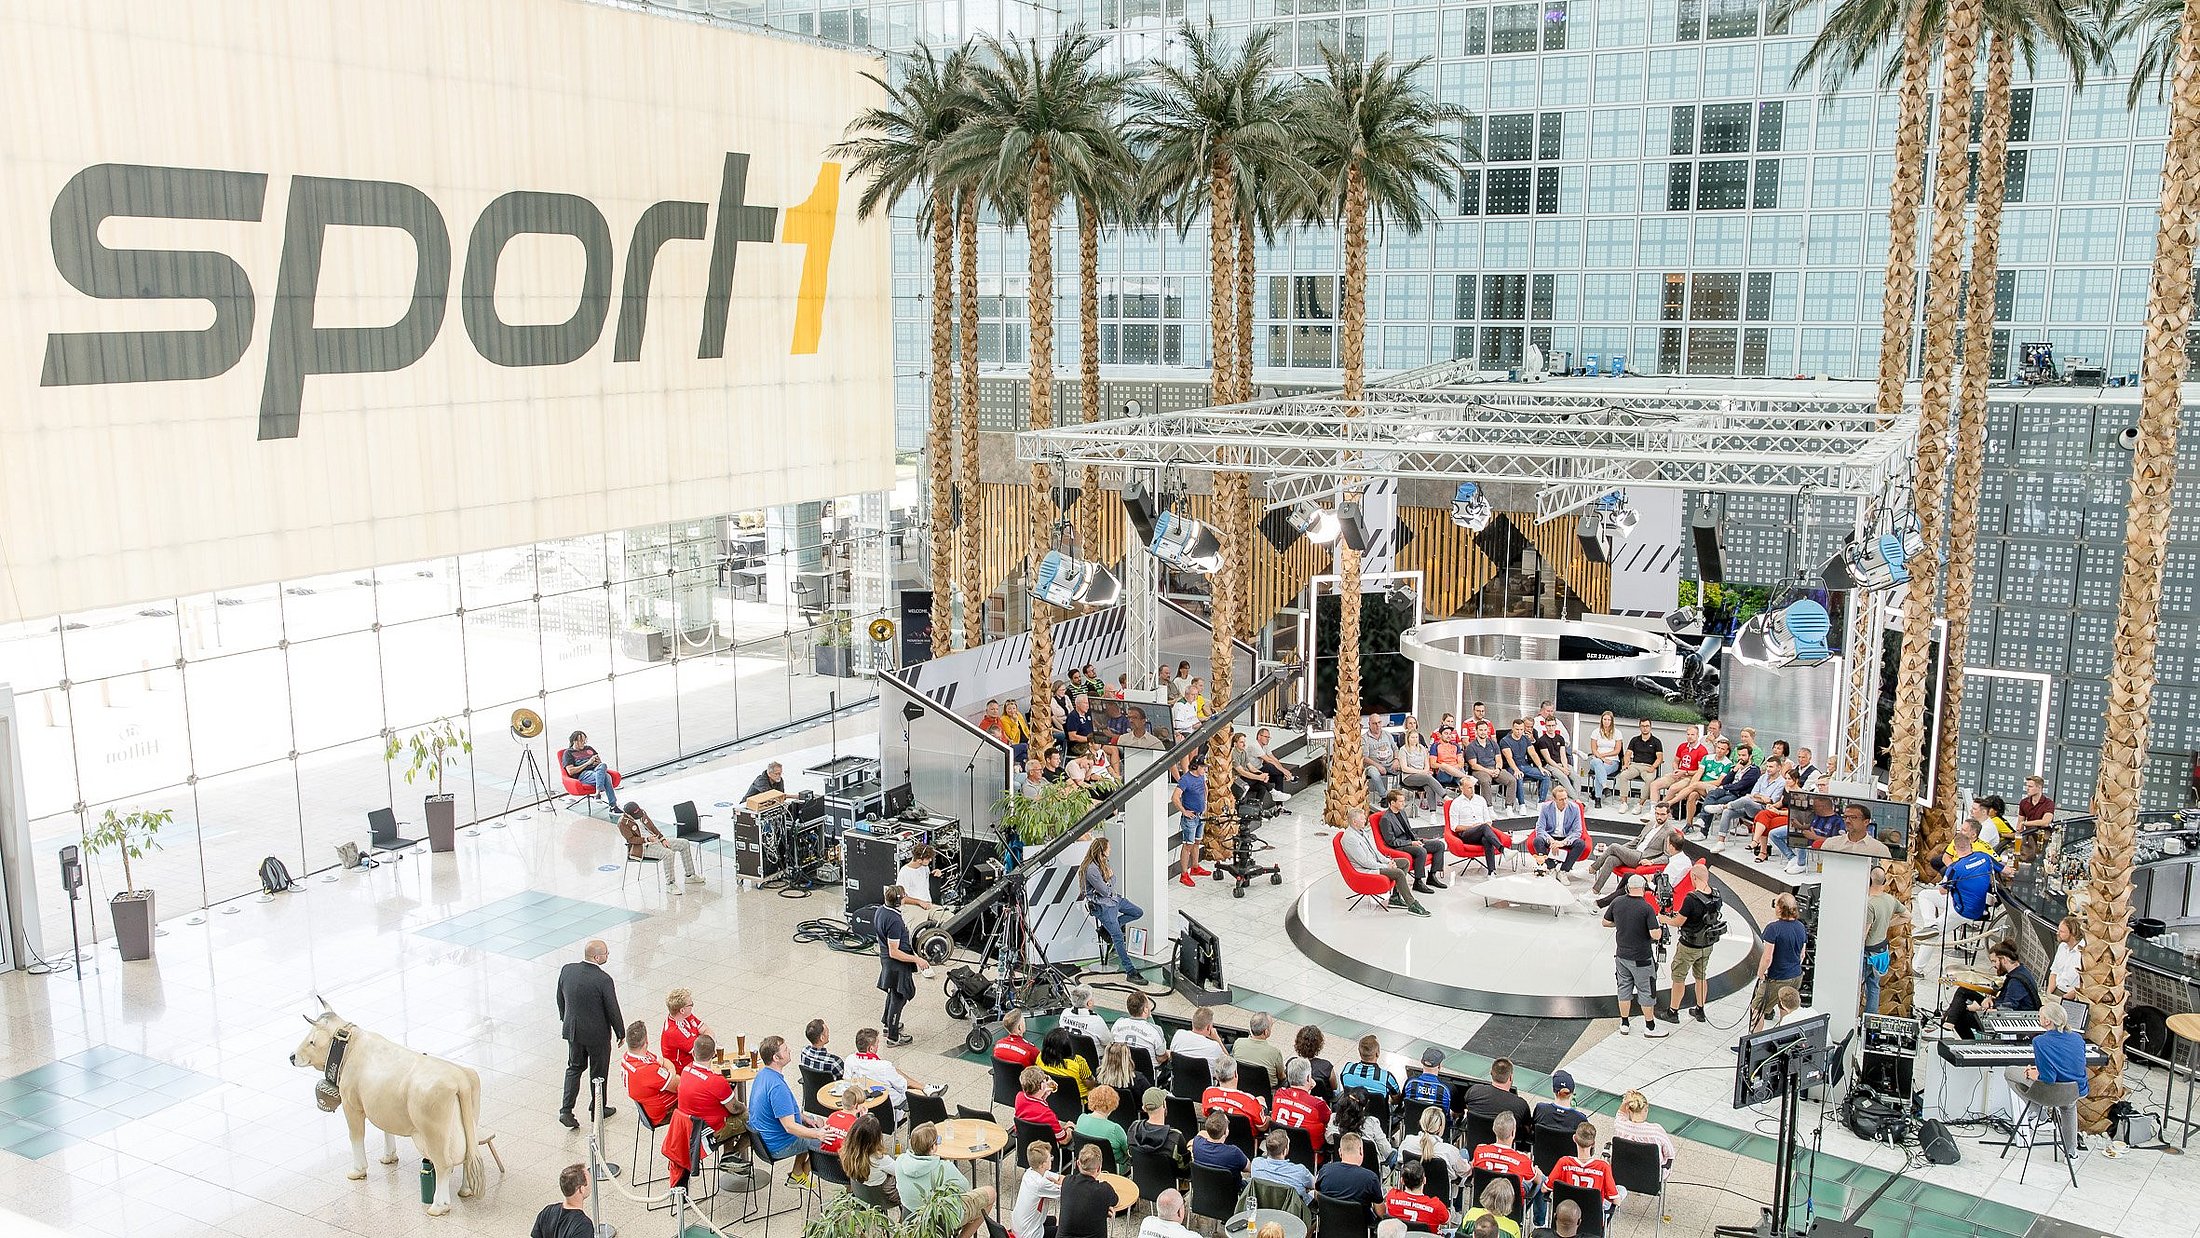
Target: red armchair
<point x="1363" y="886"/>
<point x="1465" y="851"/>
<point x="575" y="787"/>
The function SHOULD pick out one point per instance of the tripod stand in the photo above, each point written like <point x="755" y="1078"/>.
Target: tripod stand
<point x="1241" y="865"/>
<point x="1019" y="980"/>
<point x="1774" y="1222"/>
<point x="527" y="773"/>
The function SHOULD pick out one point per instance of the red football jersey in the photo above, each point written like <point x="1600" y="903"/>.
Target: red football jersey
<point x="703" y="1095"/>
<point x="677" y="1042"/>
<point x="837" y="1126"/>
<point x="1230" y="1100"/>
<point x="1303" y="1110"/>
<point x="1015" y="1050"/>
<point x="1497" y="1158"/>
<point x="645" y="1085"/>
<point x="1414" y="1209"/>
<point x="1688" y="756"/>
<point x="1592" y="1174"/>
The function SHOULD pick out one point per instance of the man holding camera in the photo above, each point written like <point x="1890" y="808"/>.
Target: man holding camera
<point x="1700" y="925"/>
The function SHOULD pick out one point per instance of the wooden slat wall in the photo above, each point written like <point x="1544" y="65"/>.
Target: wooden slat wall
<point x="1453" y="567"/>
<point x="1555" y="541"/>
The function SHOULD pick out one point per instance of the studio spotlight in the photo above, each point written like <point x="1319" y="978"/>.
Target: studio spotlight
<point x="1794" y="635"/>
<point x="1075" y="585"/>
<point x="1400" y="594"/>
<point x="1318" y="525"/>
<point x="1687" y="621"/>
<point x="1186" y="545"/>
<point x="1878" y="560"/>
<point x="1470" y="508"/>
<point x="1619" y="516"/>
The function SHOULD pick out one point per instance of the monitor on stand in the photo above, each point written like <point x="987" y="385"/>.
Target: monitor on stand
<point x="1198" y="958"/>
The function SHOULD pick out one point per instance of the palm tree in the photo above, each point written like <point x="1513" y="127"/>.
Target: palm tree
<point x="2073" y="35"/>
<point x="1199" y="127"/>
<point x="1375" y="146"/>
<point x="973" y="602"/>
<point x="2155" y="26"/>
<point x="1037" y="114"/>
<point x="2138" y="604"/>
<point x="896" y="147"/>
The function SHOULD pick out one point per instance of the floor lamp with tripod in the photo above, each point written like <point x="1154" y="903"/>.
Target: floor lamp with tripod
<point x="526" y="728"/>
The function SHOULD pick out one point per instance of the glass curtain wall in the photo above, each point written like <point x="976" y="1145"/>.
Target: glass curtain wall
<point x="259" y="715"/>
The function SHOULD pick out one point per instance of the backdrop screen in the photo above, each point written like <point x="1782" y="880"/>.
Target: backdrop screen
<point x="1386" y="676"/>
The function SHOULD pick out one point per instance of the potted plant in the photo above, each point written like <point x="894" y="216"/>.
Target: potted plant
<point x="845" y="1216"/>
<point x="433" y="749"/>
<point x="1039" y="819"/>
<point x="133" y="835"/>
<point x="644" y="642"/>
<point x="835" y="654"/>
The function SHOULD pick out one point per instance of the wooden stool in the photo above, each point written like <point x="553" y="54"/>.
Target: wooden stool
<point x="490" y="1142"/>
<point x="2186" y="1028"/>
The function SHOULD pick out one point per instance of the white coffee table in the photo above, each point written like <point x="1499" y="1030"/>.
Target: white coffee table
<point x="1530" y="890"/>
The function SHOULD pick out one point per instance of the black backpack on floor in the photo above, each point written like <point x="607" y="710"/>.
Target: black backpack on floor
<point x="274" y="878"/>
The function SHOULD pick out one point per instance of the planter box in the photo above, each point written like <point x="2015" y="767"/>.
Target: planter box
<point x="644" y="646"/>
<point x="838" y="661"/>
<point x="133" y="920"/>
<point x="442" y="811"/>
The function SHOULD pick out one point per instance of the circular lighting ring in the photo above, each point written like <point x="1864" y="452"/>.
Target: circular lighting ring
<point x="1658" y="656"/>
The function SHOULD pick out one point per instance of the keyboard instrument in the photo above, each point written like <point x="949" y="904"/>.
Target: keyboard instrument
<point x="1987" y="1054"/>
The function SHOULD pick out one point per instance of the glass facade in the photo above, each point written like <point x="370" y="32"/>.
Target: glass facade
<point x="259" y="715"/>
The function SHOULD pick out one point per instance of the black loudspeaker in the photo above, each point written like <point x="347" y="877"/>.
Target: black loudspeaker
<point x="1142" y="510"/>
<point x="1703" y="524"/>
<point x="1939" y="1145"/>
<point x="1357" y="534"/>
<point x="1590" y="533"/>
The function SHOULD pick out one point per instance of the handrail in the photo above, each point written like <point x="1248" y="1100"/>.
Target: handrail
<point x="1122" y="795"/>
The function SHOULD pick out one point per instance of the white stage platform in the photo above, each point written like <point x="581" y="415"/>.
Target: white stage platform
<point x="1501" y="959"/>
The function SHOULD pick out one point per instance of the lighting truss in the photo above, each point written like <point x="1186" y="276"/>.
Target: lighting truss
<point x="1565" y="437"/>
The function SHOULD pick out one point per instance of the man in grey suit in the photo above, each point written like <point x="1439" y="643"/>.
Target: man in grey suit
<point x="588" y="1011"/>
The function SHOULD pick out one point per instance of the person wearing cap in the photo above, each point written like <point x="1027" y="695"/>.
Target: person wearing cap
<point x="1428" y="1087"/>
<point x="1152" y="1134"/>
<point x="644" y="841"/>
<point x="1558" y="1113"/>
<point x="1635" y="934"/>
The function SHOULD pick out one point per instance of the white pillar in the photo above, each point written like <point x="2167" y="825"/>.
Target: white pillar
<point x="1146" y="847"/>
<point x="1844" y="887"/>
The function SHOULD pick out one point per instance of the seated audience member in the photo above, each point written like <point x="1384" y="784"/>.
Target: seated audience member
<point x="2035" y="815"/>
<point x="1516" y="749"/>
<point x="863" y="1157"/>
<point x="1496" y="1203"/>
<point x="1308" y="1043"/>
<point x="1274" y="1164"/>
<point x="2058" y="1056"/>
<point x="1098" y="1122"/>
<point x="1224" y="1095"/>
<point x="1969" y="877"/>
<point x="1088" y="1202"/>
<point x="1119" y="1071"/>
<point x="1038" y="1194"/>
<point x="2063" y="969"/>
<point x="1565" y="1221"/>
<point x="1560" y="828"/>
<point x="1280" y="778"/>
<point x="1152" y="1134"/>
<point x="1486" y="766"/>
<point x="1768" y="789"/>
<point x="583" y="765"/>
<point x="1167" y="1220"/>
<point x="1200" y="1040"/>
<point x="1035" y="779"/>
<point x="1429" y="1145"/>
<point x="1552" y="752"/>
<point x="1428" y="1086"/>
<point x="775" y="1114"/>
<point x="1295" y="1102"/>
<point x="644" y="841"/>
<point x="1413" y="770"/>
<point x="1768" y="818"/>
<point x="1644" y="764"/>
<point x="1686" y="794"/>
<point x="1059" y="1058"/>
<point x="1737" y="782"/>
<point x="1212" y="1149"/>
<point x="842" y="1119"/>
<point x="1409" y="1202"/>
<point x="1502" y="1157"/>
<point x="1647" y="848"/>
<point x="1032" y="1089"/>
<point x="1497" y="1098"/>
<point x="651" y="1083"/>
<point x="920" y="1172"/>
<point x="990" y="721"/>
<point x="1989" y="817"/>
<point x="1138" y="732"/>
<point x="1137" y="1027"/>
<point x="1587" y="1170"/>
<point x="1347" y="1180"/>
<point x="682" y="1028"/>
<point x="1378" y="751"/>
<point x="1256" y="1049"/>
<point x="1358" y="842"/>
<point x="1448" y="761"/>
<point x="1472" y="823"/>
<point x="705" y="1096"/>
<point x="867" y="1066"/>
<point x="1368" y="1072"/>
<point x="1082" y="1019"/>
<point x="1012" y="1047"/>
<point x="1558" y="1113"/>
<point x="1252" y="778"/>
<point x="1350" y="1116"/>
<point x="1687" y="755"/>
<point x="816" y="1055"/>
<point x="1396" y="831"/>
<point x="1634" y="1124"/>
<point x="1600" y="764"/>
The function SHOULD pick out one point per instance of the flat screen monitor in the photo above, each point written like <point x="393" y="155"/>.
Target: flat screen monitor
<point x="1765" y="1060"/>
<point x="898" y="799"/>
<point x="1199" y="956"/>
<point x="1810" y="813"/>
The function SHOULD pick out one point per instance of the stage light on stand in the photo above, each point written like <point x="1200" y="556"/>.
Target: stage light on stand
<point x="1075" y="585"/>
<point x="1794" y="635"/>
<point x="1317" y="525"/>
<point x="1186" y="545"/>
<point x="1470" y="508"/>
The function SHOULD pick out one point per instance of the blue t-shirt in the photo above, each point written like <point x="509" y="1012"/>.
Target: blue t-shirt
<point x="2060" y="1058"/>
<point x="1212" y="1154"/>
<point x="1428" y="1088"/>
<point x="1970" y="880"/>
<point x="1192" y="787"/>
<point x="1787" y="939"/>
<point x="770" y="1100"/>
<point x="1079" y="725"/>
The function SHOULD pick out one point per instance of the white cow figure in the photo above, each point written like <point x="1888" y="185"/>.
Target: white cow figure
<point x="436" y="1104"/>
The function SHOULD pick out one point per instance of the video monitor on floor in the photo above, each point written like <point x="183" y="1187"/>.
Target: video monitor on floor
<point x="1817" y="814"/>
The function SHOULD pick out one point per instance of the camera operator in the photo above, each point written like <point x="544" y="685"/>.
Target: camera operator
<point x="1635" y="932"/>
<point x="1700" y="924"/>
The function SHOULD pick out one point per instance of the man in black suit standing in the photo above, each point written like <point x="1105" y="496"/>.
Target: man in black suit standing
<point x="588" y="1010"/>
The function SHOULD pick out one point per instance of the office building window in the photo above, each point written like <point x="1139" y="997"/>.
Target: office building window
<point x="1726" y="128"/>
<point x="1684" y="131"/>
<point x="1760" y="296"/>
<point x="1767" y="194"/>
<point x="1546" y="191"/>
<point x="1478" y="35"/>
<point x="1513" y="28"/>
<point x="1539" y="301"/>
<point x="1716" y="296"/>
<point x="1754" y="348"/>
<point x="1505" y="296"/>
<point x="1731" y="19"/>
<point x="1677" y="176"/>
<point x="1550" y="140"/>
<point x="1470" y="192"/>
<point x="1669" y="350"/>
<point x="1554" y="27"/>
<point x="1711" y="351"/>
<point x="1722" y="185"/>
<point x="1508" y="192"/>
<point x="1771" y="117"/>
<point x="1688" y="25"/>
<point x="1512" y="138"/>
<point x="1675" y="293"/>
<point x="1501" y="347"/>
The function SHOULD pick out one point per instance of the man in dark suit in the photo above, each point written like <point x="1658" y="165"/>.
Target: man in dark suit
<point x="588" y="1012"/>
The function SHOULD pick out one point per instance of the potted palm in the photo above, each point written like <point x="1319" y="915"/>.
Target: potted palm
<point x="433" y="749"/>
<point x="1037" y="820"/>
<point x="133" y="835"/>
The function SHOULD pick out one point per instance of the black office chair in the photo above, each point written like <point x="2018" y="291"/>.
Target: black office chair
<point x="1063" y="1101"/>
<point x="1153" y="1172"/>
<point x="1028" y="1133"/>
<point x="1183" y="1116"/>
<point x="1077" y="1142"/>
<point x="1007" y="1082"/>
<point x="1337" y="1218"/>
<point x="382" y="831"/>
<point x="1302" y="1147"/>
<point x="1214" y="1193"/>
<point x="872" y="1195"/>
<point x="1585" y="1198"/>
<point x="1549" y="1146"/>
<point x="768" y="1165"/>
<point x="828" y="1169"/>
<point x="1476" y="1130"/>
<point x="923" y="1109"/>
<point x="688" y="824"/>
<point x="1378" y="1108"/>
<point x="1241" y="1134"/>
<point x="1189" y="1077"/>
<point x="1255" y="1079"/>
<point x="1087" y="1048"/>
<point x="1410" y="1119"/>
<point x="812" y="1080"/>
<point x="1142" y="1061"/>
<point x="1640" y="1167"/>
<point x="1483" y="1177"/>
<point x="1437" y="1180"/>
<point x="1126" y="1112"/>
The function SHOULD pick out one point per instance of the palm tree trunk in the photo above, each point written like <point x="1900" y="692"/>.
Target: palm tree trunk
<point x="1346" y="797"/>
<point x="1970" y="458"/>
<point x="1894" y="367"/>
<point x="1039" y="223"/>
<point x="2131" y="674"/>
<point x="1088" y="364"/>
<point x="939" y="443"/>
<point x="1222" y="587"/>
<point x="973" y="602"/>
<point x="1221" y="216"/>
<point x="1244" y="390"/>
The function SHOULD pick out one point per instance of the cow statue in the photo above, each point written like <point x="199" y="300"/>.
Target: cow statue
<point x="436" y="1104"/>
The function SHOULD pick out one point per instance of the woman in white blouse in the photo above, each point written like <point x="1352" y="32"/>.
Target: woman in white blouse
<point x="1601" y="763"/>
<point x="2062" y="971"/>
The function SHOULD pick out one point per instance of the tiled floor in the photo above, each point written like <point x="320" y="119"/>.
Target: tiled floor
<point x="88" y="1094"/>
<point x="451" y="955"/>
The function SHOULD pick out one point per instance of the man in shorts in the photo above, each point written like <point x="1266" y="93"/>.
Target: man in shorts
<point x="1693" y="920"/>
<point x="1191" y="811"/>
<point x="1635" y="933"/>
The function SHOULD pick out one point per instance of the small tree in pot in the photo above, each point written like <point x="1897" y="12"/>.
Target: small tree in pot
<point x="133" y="836"/>
<point x="434" y="748"/>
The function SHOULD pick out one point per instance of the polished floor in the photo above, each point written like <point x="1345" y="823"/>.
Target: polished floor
<point x="156" y="1099"/>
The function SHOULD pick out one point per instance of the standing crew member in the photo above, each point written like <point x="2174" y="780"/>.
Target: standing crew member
<point x="897" y="963"/>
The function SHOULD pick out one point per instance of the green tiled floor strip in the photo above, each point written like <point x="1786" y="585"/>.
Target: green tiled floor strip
<point x="1911" y="1208"/>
